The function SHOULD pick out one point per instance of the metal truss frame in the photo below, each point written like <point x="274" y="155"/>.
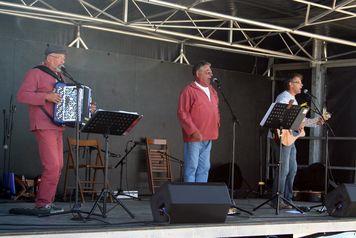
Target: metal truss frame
<point x="192" y="26"/>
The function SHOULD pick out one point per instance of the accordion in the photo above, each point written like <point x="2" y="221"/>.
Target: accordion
<point x="65" y="112"/>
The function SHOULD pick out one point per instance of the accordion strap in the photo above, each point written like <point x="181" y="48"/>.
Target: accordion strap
<point x="58" y="78"/>
<point x="49" y="116"/>
<point x="47" y="113"/>
<point x="50" y="72"/>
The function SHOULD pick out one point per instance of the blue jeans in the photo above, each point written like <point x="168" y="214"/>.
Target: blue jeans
<point x="288" y="170"/>
<point x="197" y="161"/>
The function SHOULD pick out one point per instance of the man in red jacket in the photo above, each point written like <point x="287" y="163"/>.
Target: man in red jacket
<point x="199" y="117"/>
<point x="37" y="92"/>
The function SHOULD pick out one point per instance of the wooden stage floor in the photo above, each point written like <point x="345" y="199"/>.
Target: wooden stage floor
<point x="263" y="222"/>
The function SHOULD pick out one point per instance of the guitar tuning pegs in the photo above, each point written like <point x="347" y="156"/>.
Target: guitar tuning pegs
<point x="304" y="104"/>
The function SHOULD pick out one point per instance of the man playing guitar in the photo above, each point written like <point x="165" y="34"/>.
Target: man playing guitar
<point x="293" y="86"/>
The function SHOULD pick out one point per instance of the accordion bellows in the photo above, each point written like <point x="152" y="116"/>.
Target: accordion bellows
<point x="65" y="112"/>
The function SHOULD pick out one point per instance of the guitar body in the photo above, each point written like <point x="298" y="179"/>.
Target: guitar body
<point x="288" y="137"/>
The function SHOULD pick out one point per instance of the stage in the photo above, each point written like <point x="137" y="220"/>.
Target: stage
<point x="118" y="224"/>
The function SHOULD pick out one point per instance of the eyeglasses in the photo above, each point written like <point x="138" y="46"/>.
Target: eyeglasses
<point x="57" y="56"/>
<point x="298" y="83"/>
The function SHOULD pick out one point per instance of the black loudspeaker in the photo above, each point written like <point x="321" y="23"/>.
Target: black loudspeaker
<point x="191" y="203"/>
<point x="341" y="202"/>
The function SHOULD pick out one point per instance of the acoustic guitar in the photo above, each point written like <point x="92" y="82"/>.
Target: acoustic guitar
<point x="288" y="137"/>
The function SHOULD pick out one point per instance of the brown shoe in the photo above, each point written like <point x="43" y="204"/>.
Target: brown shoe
<point x="283" y="205"/>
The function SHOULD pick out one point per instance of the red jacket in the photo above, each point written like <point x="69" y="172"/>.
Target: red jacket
<point x="197" y="113"/>
<point x="33" y="92"/>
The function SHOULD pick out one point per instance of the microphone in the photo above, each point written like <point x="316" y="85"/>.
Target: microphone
<point x="306" y="92"/>
<point x="136" y="142"/>
<point x="63" y="69"/>
<point x="217" y="81"/>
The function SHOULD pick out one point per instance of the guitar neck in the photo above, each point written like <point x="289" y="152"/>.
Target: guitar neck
<point x="313" y="121"/>
<point x="326" y="115"/>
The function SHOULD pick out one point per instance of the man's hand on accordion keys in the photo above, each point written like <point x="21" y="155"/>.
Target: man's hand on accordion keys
<point x="53" y="97"/>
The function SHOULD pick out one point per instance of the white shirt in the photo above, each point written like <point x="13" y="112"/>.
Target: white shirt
<point x="205" y="89"/>
<point x="285" y="97"/>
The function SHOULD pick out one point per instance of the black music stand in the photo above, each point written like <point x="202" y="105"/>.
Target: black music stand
<point x="110" y="123"/>
<point x="282" y="116"/>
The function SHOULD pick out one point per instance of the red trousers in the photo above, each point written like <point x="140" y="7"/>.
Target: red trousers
<point x="50" y="146"/>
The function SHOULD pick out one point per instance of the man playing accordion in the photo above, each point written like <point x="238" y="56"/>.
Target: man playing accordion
<point x="37" y="91"/>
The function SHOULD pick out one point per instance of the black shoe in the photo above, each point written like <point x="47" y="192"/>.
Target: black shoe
<point x="49" y="209"/>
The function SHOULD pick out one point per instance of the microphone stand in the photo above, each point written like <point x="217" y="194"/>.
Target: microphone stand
<point x="4" y="145"/>
<point x="234" y="139"/>
<point x="8" y="123"/>
<point x="121" y="162"/>
<point x="328" y="129"/>
<point x="127" y="152"/>
<point x="76" y="209"/>
<point x="12" y="110"/>
<point x="174" y="159"/>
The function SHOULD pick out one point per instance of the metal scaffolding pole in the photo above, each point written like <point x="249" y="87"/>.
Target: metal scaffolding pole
<point x="318" y="90"/>
<point x="157" y="26"/>
<point x="247" y="21"/>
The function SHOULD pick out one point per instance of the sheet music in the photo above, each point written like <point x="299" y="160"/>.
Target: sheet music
<point x="126" y="112"/>
<point x="135" y="113"/>
<point x="111" y="122"/>
<point x="264" y="119"/>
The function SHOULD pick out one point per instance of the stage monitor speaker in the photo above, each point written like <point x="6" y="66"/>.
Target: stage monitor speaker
<point x="341" y="202"/>
<point x="191" y="203"/>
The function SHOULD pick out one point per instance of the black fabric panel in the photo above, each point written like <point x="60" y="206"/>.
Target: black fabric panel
<point x="150" y="87"/>
<point x="341" y="101"/>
